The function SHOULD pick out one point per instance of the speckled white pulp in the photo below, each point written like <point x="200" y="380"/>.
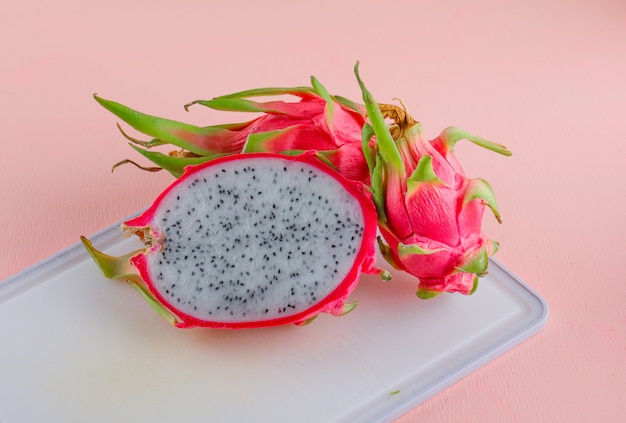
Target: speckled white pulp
<point x="254" y="240"/>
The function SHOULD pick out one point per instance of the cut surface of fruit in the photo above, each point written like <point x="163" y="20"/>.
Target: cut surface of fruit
<point x="255" y="240"/>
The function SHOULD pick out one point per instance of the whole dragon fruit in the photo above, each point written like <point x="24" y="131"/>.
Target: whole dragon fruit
<point x="330" y="125"/>
<point x="429" y="212"/>
<point x="250" y="240"/>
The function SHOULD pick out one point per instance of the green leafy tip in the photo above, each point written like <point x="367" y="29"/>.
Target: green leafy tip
<point x="366" y="136"/>
<point x="385" y="251"/>
<point x="347" y="308"/>
<point x="154" y="142"/>
<point x="384" y="275"/>
<point x="480" y="189"/>
<point x="268" y="92"/>
<point x="426" y="294"/>
<point x="476" y="264"/>
<point x="475" y="286"/>
<point x="451" y="135"/>
<point x="237" y="105"/>
<point x="346" y="102"/>
<point x="323" y="92"/>
<point x="493" y="246"/>
<point x="156" y="306"/>
<point x="165" y="131"/>
<point x="173" y="164"/>
<point x="406" y="250"/>
<point x="121" y="268"/>
<point x="423" y="173"/>
<point x="307" y="321"/>
<point x="378" y="191"/>
<point x="257" y="142"/>
<point x="386" y="146"/>
<point x="112" y="267"/>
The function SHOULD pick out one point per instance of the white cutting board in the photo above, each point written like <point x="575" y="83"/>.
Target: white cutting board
<point x="76" y="347"/>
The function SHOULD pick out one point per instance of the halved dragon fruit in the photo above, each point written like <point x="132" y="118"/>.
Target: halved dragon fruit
<point x="250" y="240"/>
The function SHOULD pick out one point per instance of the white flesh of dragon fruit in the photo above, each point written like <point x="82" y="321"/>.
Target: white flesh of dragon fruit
<point x="261" y="247"/>
<point x="258" y="241"/>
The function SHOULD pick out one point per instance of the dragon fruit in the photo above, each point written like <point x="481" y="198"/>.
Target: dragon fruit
<point x="250" y="240"/>
<point x="330" y="125"/>
<point x="429" y="212"/>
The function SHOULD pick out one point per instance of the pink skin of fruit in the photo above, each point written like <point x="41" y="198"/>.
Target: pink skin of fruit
<point x="134" y="266"/>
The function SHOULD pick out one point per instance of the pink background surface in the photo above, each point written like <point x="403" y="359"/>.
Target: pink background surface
<point x="545" y="78"/>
